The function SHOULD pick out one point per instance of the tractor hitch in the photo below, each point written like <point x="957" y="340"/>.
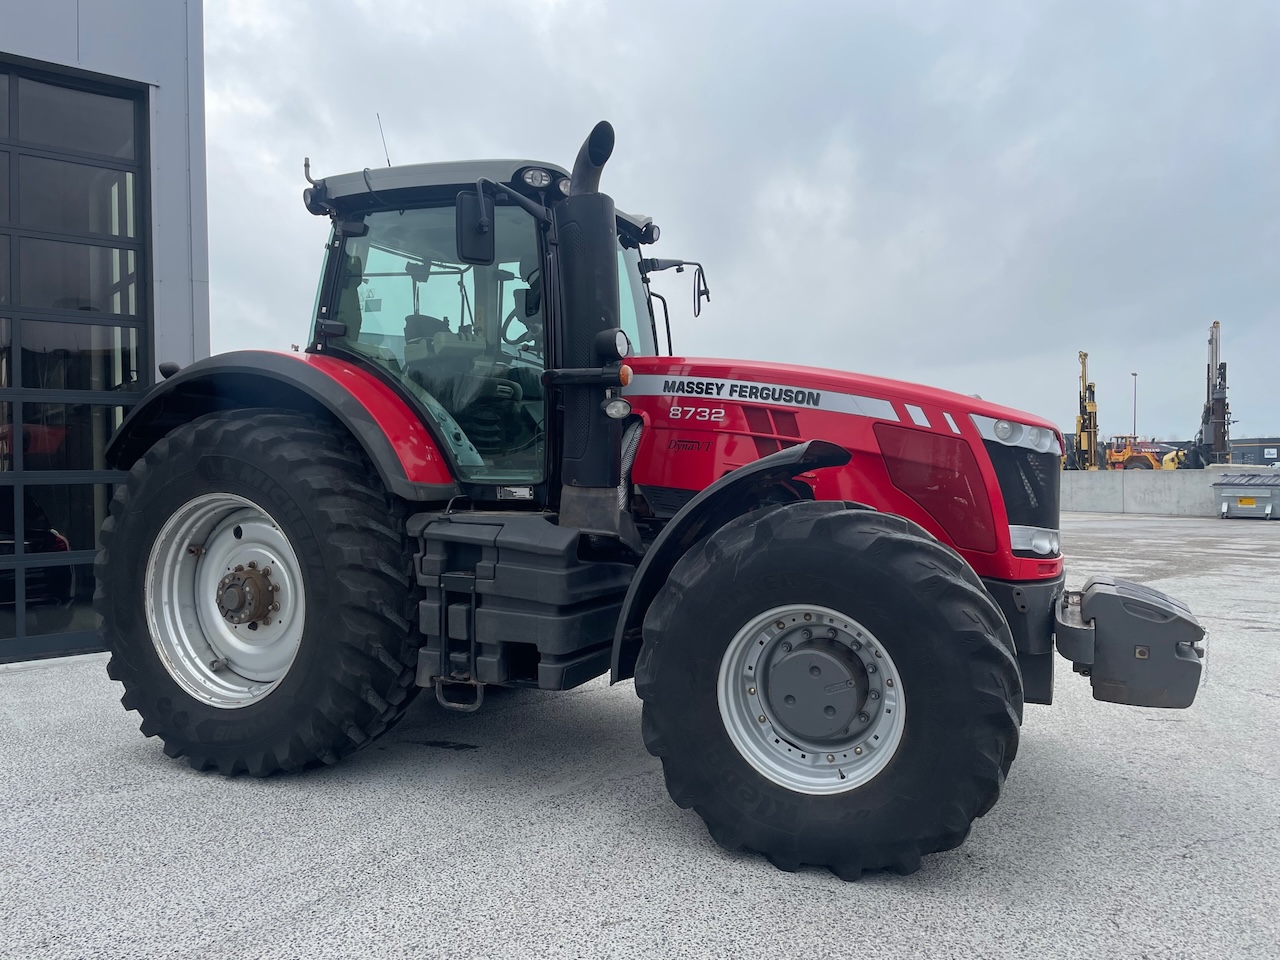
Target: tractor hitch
<point x="1138" y="646"/>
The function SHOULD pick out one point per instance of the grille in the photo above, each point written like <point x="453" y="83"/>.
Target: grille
<point x="1030" y="483"/>
<point x="666" y="501"/>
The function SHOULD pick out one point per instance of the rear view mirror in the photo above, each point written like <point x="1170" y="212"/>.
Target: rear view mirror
<point x="475" y="228"/>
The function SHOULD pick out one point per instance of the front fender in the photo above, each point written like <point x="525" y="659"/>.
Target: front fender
<point x="395" y="439"/>
<point x="729" y="497"/>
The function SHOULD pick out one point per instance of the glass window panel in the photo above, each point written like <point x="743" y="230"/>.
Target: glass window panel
<point x="79" y="356"/>
<point x="64" y="516"/>
<point x="4" y="270"/>
<point x="67" y="436"/>
<point x="6" y="441"/>
<point x="6" y="524"/>
<point x="74" y="197"/>
<point x="6" y="335"/>
<point x="76" y="276"/>
<point x="4" y="187"/>
<point x="75" y="119"/>
<point x="60" y="599"/>
<point x="438" y="326"/>
<point x="8" y="622"/>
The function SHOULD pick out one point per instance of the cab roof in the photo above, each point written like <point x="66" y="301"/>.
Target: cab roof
<point x="452" y="173"/>
<point x="425" y="175"/>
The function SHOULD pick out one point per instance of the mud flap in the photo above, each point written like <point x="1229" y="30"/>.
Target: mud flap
<point x="1137" y="645"/>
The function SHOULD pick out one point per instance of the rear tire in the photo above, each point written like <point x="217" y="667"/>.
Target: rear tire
<point x="321" y="673"/>
<point x="883" y="791"/>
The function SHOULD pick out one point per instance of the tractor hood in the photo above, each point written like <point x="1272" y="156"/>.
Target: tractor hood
<point x="940" y="459"/>
<point x="790" y="385"/>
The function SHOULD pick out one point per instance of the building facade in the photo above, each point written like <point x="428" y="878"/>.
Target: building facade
<point x="1264" y="451"/>
<point x="103" y="273"/>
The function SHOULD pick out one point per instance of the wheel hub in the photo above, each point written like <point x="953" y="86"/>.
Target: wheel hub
<point x="811" y="699"/>
<point x="225" y="601"/>
<point x="817" y="690"/>
<point x="245" y="594"/>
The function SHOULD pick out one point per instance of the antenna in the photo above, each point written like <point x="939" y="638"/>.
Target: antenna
<point x="384" y="139"/>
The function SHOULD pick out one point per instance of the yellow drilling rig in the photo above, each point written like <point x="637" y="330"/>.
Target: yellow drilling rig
<point x="1083" y="452"/>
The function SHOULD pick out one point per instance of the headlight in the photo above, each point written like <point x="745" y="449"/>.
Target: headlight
<point x="1037" y="540"/>
<point x="617" y="408"/>
<point x="1014" y="434"/>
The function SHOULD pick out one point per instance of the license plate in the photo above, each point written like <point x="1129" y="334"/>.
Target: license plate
<point x="1245" y="502"/>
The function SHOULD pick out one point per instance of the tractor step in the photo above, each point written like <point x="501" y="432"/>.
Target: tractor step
<point x="509" y="599"/>
<point x="448" y="690"/>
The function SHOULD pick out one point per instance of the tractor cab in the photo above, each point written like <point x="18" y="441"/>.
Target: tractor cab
<point x="468" y="321"/>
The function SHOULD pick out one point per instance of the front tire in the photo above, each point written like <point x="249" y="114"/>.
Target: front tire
<point x="256" y="593"/>
<point x="830" y="686"/>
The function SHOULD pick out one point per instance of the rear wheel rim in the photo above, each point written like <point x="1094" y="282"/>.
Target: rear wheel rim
<point x="224" y="600"/>
<point x="773" y="706"/>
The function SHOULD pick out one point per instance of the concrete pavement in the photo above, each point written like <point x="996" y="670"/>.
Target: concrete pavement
<point x="541" y="827"/>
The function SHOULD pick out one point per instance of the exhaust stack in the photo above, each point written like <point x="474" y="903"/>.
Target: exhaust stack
<point x="594" y="154"/>
<point x="591" y="456"/>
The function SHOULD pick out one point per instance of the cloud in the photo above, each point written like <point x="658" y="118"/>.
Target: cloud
<point x="963" y="194"/>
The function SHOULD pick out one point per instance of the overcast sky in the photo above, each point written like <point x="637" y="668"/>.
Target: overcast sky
<point x="958" y="193"/>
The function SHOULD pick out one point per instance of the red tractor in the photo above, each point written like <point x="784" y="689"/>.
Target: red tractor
<point x="834" y="591"/>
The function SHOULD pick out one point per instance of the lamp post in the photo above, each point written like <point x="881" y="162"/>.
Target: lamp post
<point x="1135" y="405"/>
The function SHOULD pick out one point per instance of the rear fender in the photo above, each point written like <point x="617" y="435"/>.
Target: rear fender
<point x="395" y="439"/>
<point x="728" y="498"/>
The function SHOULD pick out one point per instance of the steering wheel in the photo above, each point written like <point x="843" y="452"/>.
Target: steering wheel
<point x="518" y="341"/>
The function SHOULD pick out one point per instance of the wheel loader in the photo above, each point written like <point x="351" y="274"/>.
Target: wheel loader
<point x="834" y="592"/>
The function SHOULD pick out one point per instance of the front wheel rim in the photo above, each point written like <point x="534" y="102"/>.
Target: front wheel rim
<point x="861" y="683"/>
<point x="224" y="600"/>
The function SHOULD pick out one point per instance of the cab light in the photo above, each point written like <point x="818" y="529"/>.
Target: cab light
<point x="536" y="178"/>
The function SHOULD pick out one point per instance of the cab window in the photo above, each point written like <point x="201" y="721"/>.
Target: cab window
<point x="633" y="314"/>
<point x="466" y="340"/>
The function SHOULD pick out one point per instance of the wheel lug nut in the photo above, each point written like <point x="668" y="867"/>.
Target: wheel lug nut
<point x="786" y="647"/>
<point x="856" y="646"/>
<point x="863" y="718"/>
<point x="253" y="564"/>
<point x="874" y="694"/>
<point x="274" y="607"/>
<point x="239" y="567"/>
<point x="275" y="588"/>
<point x="807" y="633"/>
<point x="871" y="668"/>
<point x="832" y="632"/>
